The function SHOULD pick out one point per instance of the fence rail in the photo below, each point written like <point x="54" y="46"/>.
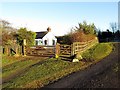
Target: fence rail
<point x="78" y="47"/>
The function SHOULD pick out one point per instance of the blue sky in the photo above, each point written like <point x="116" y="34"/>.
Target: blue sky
<point x="60" y="16"/>
<point x="119" y="16"/>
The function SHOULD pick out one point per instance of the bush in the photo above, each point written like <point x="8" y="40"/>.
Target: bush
<point x="81" y="37"/>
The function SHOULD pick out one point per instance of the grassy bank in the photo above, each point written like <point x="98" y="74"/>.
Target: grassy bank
<point x="98" y="52"/>
<point x="11" y="65"/>
<point x="53" y="69"/>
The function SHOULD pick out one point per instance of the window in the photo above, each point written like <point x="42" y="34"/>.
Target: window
<point x="45" y="42"/>
<point x="40" y="42"/>
<point x="36" y="42"/>
<point x="53" y="42"/>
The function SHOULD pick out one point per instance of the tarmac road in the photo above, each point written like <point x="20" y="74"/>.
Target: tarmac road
<point x="93" y="76"/>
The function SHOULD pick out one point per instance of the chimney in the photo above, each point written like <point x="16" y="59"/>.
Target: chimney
<point x="49" y="29"/>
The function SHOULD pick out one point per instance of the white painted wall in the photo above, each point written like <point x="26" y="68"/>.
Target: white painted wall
<point x="49" y="37"/>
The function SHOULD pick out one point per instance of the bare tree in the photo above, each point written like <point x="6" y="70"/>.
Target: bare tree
<point x="5" y="26"/>
<point x="7" y="32"/>
<point x="113" y="27"/>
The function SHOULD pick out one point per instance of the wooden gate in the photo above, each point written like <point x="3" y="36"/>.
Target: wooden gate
<point x="65" y="52"/>
<point x="44" y="51"/>
<point x="49" y="51"/>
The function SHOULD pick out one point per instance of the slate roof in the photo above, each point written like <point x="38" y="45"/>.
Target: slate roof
<point x="40" y="35"/>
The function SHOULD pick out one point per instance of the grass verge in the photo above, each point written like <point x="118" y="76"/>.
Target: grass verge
<point x="98" y="52"/>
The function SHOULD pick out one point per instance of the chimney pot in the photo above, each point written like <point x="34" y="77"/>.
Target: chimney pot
<point x="49" y="29"/>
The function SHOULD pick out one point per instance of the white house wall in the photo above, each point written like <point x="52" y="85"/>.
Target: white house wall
<point x="49" y="37"/>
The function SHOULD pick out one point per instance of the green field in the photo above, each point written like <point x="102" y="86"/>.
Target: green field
<point x="47" y="70"/>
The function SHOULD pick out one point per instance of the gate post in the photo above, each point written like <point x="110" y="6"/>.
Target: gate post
<point x="24" y="47"/>
<point x="72" y="49"/>
<point x="16" y="50"/>
<point x="7" y="50"/>
<point x="57" y="50"/>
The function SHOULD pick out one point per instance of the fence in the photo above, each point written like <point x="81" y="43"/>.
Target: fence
<point x="59" y="50"/>
<point x="79" y="47"/>
<point x="11" y="50"/>
<point x="69" y="51"/>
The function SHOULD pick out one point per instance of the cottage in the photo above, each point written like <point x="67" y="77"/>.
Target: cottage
<point x="45" y="38"/>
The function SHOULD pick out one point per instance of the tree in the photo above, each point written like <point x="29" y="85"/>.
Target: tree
<point x="99" y="34"/>
<point x="113" y="27"/>
<point x="117" y="35"/>
<point x="84" y="32"/>
<point x="86" y="28"/>
<point x="66" y="39"/>
<point x="8" y="32"/>
<point x="28" y="35"/>
<point x="5" y="26"/>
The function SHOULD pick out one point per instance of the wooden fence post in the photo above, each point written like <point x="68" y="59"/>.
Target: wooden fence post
<point x="21" y="50"/>
<point x="3" y="50"/>
<point x="57" y="50"/>
<point x="16" y="50"/>
<point x="72" y="49"/>
<point x="24" y="47"/>
<point x="7" y="50"/>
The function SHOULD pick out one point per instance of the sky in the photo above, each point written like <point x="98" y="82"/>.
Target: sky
<point x="119" y="15"/>
<point x="60" y="16"/>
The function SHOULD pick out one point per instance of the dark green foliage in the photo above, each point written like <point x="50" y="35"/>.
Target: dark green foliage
<point x="66" y="39"/>
<point x="86" y="28"/>
<point x="28" y="35"/>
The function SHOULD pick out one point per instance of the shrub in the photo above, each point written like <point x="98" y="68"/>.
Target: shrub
<point x="81" y="37"/>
